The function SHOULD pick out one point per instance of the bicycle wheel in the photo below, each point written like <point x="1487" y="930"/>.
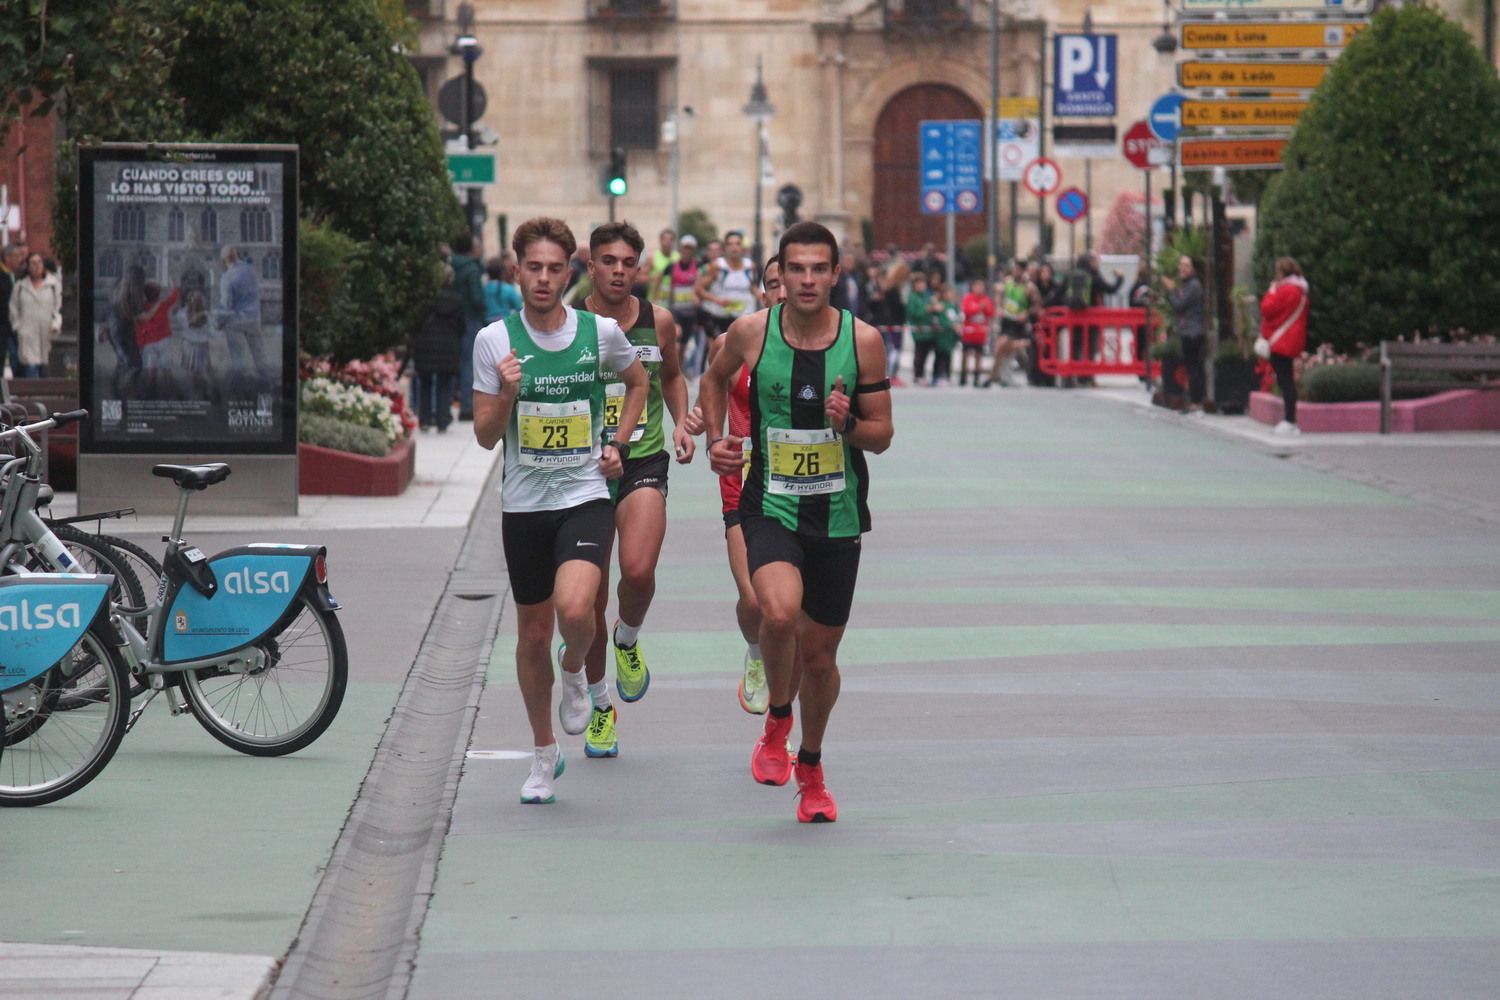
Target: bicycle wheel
<point x="286" y="698"/>
<point x="144" y="565"/>
<point x="96" y="554"/>
<point x="51" y="754"/>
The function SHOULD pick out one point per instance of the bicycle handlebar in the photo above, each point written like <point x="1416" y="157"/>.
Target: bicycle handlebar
<point x="70" y="417"/>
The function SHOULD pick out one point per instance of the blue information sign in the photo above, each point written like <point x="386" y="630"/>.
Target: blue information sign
<point x="1084" y="72"/>
<point x="951" y="167"/>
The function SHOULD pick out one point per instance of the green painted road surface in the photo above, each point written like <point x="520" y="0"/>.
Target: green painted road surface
<point x="1128" y="710"/>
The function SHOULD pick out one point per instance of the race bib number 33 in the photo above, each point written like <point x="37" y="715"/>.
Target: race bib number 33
<point x="555" y="435"/>
<point x="805" y="462"/>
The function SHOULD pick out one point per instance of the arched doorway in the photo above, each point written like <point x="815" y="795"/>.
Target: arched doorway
<point x="896" y="214"/>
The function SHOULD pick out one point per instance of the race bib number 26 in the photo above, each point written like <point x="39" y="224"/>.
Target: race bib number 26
<point x="805" y="462"/>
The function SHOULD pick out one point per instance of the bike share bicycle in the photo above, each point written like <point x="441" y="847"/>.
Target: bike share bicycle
<point x="247" y="641"/>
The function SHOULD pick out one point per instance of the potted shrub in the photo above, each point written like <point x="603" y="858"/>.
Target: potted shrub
<point x="1234" y="362"/>
<point x="1173" y="392"/>
<point x="354" y="428"/>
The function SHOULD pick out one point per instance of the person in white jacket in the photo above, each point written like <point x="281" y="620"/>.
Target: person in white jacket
<point x="36" y="316"/>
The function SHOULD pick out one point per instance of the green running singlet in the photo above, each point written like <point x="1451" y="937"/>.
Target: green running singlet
<point x="802" y="473"/>
<point x="559" y="413"/>
<point x="649" y="437"/>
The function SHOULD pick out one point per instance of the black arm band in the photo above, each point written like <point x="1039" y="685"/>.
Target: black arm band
<point x="883" y="385"/>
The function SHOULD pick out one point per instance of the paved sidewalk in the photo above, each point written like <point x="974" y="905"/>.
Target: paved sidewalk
<point x="145" y="800"/>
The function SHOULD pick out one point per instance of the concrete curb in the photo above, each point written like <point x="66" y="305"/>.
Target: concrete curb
<point x="361" y="932"/>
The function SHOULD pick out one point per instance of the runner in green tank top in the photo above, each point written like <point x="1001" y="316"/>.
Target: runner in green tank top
<point x="819" y="400"/>
<point x="640" y="494"/>
<point x="537" y="387"/>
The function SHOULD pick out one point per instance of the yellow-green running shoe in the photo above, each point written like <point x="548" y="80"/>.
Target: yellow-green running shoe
<point x="632" y="678"/>
<point x="599" y="738"/>
<point x="755" y="693"/>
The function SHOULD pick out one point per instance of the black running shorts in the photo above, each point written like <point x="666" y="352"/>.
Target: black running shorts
<point x="537" y="542"/>
<point x="829" y="566"/>
<point x="649" y="472"/>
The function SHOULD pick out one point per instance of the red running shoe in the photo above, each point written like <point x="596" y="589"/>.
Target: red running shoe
<point x="814" y="803"/>
<point x="769" y="763"/>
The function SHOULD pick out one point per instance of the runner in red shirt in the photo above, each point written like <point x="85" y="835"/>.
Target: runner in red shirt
<point x="754" y="694"/>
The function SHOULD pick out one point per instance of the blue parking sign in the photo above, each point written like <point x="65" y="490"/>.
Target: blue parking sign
<point x="951" y="167"/>
<point x="1084" y="76"/>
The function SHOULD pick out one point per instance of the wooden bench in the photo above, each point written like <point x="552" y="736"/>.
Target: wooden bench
<point x="1482" y="360"/>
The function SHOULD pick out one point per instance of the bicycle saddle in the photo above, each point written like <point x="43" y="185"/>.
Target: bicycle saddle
<point x="193" y="477"/>
<point x="44" y="495"/>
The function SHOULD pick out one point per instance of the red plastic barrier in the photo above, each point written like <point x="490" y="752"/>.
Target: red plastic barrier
<point x="1066" y="348"/>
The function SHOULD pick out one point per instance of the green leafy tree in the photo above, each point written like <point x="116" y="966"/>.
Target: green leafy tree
<point x="327" y="76"/>
<point x="1390" y="193"/>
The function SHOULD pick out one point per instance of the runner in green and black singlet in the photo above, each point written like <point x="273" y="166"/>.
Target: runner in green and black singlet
<point x="640" y="494"/>
<point x="805" y="500"/>
<point x="802" y="473"/>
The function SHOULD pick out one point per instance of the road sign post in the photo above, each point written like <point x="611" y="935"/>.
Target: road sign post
<point x="950" y="165"/>
<point x="1143" y="149"/>
<point x="1041" y="176"/>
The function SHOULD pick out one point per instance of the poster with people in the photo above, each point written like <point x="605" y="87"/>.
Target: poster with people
<point x="189" y="305"/>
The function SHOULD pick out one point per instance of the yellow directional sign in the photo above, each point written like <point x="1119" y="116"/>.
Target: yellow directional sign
<point x="1283" y="35"/>
<point x="1241" y="114"/>
<point x="1260" y="153"/>
<point x="1252" y="75"/>
<point x="1019" y="107"/>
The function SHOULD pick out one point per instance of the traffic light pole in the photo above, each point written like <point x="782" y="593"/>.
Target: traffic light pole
<point x="475" y="200"/>
<point x="611" y="208"/>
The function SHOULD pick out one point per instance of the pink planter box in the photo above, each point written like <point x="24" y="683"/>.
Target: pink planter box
<point x="323" y="471"/>
<point x="1459" y="410"/>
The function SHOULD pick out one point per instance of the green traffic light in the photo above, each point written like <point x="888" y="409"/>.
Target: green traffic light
<point x="617" y="186"/>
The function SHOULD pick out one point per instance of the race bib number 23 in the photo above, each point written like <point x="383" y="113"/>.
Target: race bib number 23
<point x="555" y="435"/>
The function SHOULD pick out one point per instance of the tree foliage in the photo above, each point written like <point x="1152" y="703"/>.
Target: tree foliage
<point x="327" y="76"/>
<point x="1390" y="193"/>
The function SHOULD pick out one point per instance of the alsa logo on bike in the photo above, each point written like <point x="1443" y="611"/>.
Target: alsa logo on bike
<point x="28" y="617"/>
<point x="243" y="581"/>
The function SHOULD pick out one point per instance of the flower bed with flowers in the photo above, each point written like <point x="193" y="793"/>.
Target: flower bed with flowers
<point x="356" y="407"/>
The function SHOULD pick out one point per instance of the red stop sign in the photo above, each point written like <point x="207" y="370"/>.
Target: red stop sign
<point x="1139" y="144"/>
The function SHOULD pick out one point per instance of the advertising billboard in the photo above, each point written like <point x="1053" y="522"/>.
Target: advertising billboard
<point x="188" y="305"/>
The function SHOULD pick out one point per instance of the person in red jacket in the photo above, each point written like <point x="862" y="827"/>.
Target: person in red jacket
<point x="979" y="311"/>
<point x="1283" y="325"/>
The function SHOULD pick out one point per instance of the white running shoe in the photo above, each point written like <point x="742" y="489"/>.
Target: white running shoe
<point x="576" y="705"/>
<point x="546" y="763"/>
<point x="1286" y="429"/>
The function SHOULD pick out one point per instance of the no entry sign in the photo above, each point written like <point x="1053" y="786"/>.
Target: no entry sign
<point x="1143" y="149"/>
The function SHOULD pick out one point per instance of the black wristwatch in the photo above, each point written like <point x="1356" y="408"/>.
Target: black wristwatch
<point x="623" y="447"/>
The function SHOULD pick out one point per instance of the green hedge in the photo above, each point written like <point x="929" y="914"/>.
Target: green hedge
<point x="340" y="435"/>
<point x="1360" y="383"/>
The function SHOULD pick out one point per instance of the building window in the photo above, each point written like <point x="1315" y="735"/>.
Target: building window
<point x="208" y="226"/>
<point x="633" y="107"/>
<point x="255" y="224"/>
<point x="128" y="223"/>
<point x="930" y="10"/>
<point x="176" y="226"/>
<point x="109" y="264"/>
<point x="270" y="266"/>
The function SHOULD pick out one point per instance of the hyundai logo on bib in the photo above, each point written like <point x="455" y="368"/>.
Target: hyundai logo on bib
<point x="27" y="617"/>
<point x="243" y="581"/>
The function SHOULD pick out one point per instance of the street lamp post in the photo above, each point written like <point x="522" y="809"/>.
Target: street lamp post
<point x="468" y="48"/>
<point x="760" y="111"/>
